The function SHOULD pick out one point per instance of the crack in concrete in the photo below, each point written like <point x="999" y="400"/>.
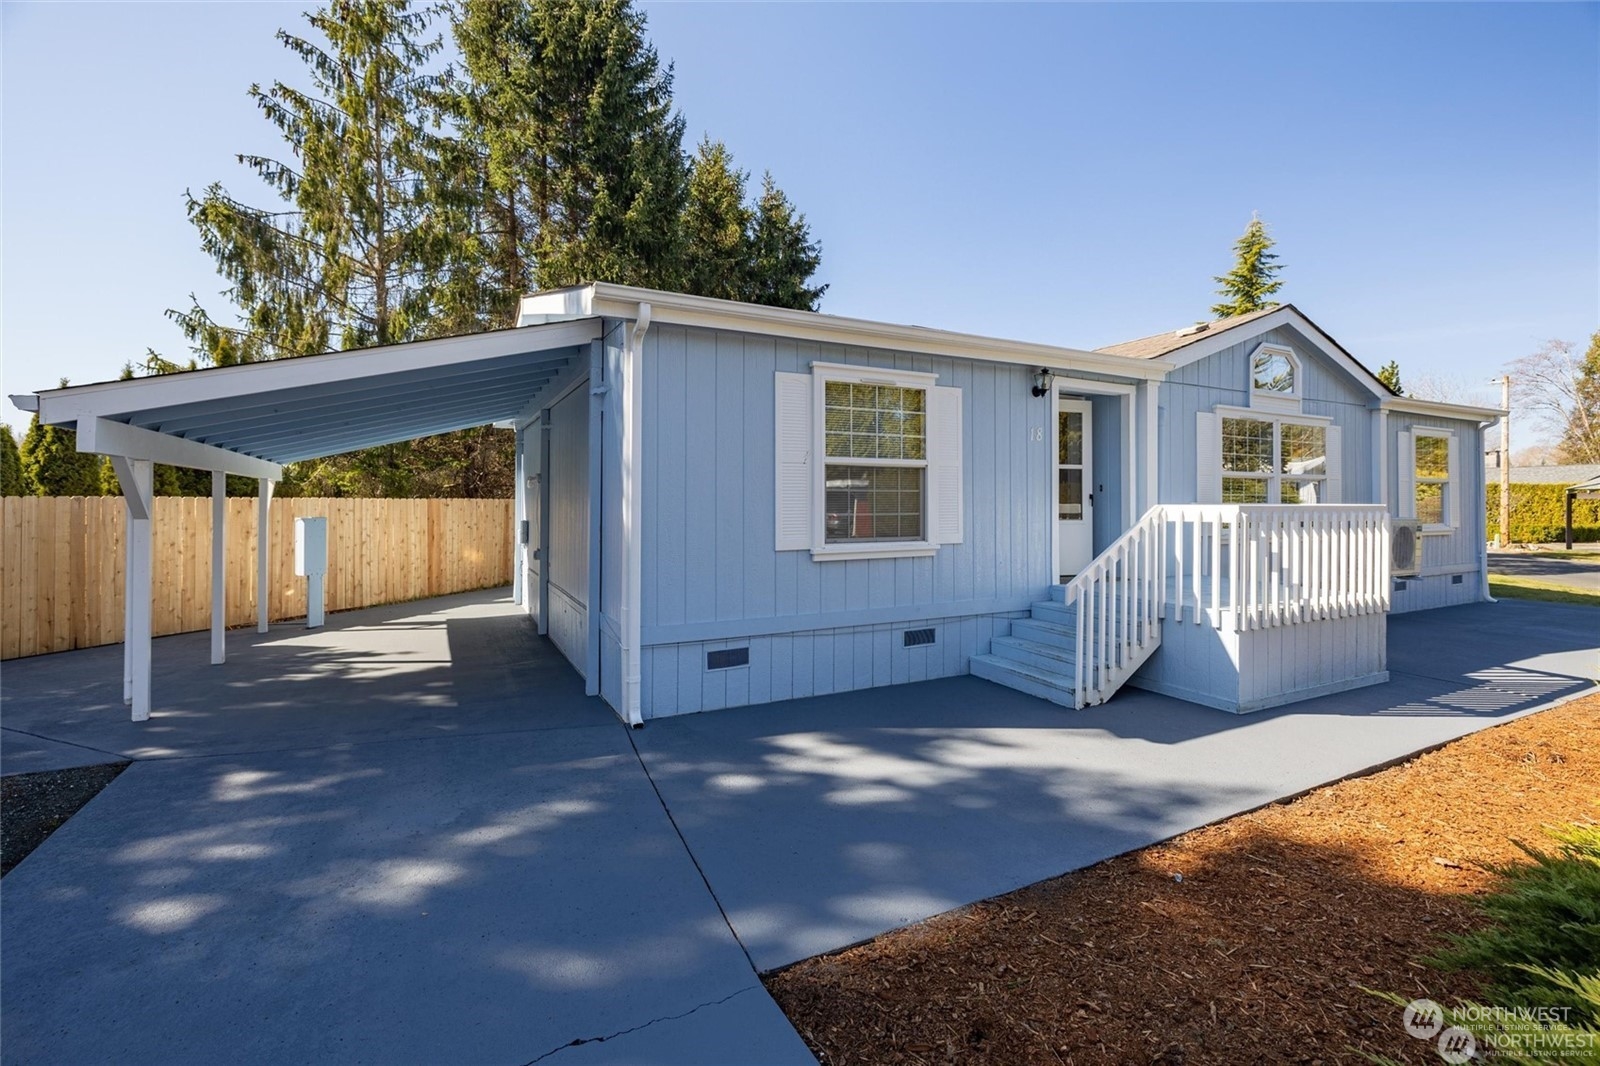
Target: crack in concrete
<point x="634" y="1029"/>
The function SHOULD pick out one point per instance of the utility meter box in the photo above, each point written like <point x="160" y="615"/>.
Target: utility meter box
<point x="311" y="563"/>
<point x="310" y="546"/>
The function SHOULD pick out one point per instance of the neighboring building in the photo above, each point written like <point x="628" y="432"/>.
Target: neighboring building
<point x="1548" y="474"/>
<point x="727" y="504"/>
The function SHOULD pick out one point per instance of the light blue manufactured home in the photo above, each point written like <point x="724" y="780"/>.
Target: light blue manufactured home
<point x="722" y="504"/>
<point x="778" y="504"/>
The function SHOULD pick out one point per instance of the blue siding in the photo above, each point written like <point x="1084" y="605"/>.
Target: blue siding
<point x="1224" y="378"/>
<point x="1445" y="556"/>
<point x="711" y="572"/>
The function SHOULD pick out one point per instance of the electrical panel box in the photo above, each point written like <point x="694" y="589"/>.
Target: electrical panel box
<point x="310" y="547"/>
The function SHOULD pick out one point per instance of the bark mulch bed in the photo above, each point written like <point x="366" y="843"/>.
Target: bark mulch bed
<point x="32" y="806"/>
<point x="1258" y="954"/>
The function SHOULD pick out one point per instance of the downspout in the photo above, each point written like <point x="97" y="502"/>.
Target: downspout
<point x="1483" y="540"/>
<point x="633" y="519"/>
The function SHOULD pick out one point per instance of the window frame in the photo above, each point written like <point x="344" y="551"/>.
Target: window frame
<point x="822" y="374"/>
<point x="1269" y="399"/>
<point x="1274" y="479"/>
<point x="1448" y="483"/>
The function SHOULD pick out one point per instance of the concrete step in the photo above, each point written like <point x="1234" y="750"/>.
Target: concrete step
<point x="1058" y="593"/>
<point x="1047" y="657"/>
<point x="1026" y="679"/>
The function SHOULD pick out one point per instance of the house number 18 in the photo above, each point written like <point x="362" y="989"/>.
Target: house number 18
<point x="1036" y="433"/>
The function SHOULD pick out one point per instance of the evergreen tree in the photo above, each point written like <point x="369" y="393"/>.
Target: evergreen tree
<point x="1389" y="374"/>
<point x="52" y="464"/>
<point x="12" y="482"/>
<point x="609" y="184"/>
<point x="1580" y="438"/>
<point x="717" y="239"/>
<point x="1254" y="277"/>
<point x="784" y="258"/>
<point x="353" y="254"/>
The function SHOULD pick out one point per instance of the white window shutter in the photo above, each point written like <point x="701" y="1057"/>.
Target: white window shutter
<point x="1452" y="491"/>
<point x="1208" y="459"/>
<point x="1407" y="457"/>
<point x="946" y="513"/>
<point x="793" y="450"/>
<point x="1334" y="440"/>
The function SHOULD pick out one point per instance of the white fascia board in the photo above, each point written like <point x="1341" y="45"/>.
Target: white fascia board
<point x="1284" y="316"/>
<point x="65" y="406"/>
<point x="102" y="437"/>
<point x="1412" y="406"/>
<point x="603" y="299"/>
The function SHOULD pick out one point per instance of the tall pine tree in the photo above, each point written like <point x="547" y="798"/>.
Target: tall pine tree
<point x="716" y="226"/>
<point x="783" y="257"/>
<point x="1253" y="280"/>
<point x="353" y="253"/>
<point x="1389" y="374"/>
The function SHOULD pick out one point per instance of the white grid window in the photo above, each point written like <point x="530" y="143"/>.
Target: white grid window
<point x="881" y="430"/>
<point x="1273" y="461"/>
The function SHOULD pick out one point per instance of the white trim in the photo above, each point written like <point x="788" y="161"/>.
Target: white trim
<point x="104" y="437"/>
<point x="821" y="374"/>
<point x="61" y="406"/>
<point x="875" y="549"/>
<point x="632" y="515"/>
<point x="1269" y="399"/>
<point x="1152" y="445"/>
<point x="1448" y="503"/>
<point x="615" y="301"/>
<point x="1411" y="406"/>
<point x="263" y="552"/>
<point x="1226" y="410"/>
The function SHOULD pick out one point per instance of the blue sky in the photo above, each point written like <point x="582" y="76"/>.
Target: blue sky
<point x="1071" y="174"/>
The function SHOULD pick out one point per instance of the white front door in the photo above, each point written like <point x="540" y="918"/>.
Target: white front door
<point x="1074" y="498"/>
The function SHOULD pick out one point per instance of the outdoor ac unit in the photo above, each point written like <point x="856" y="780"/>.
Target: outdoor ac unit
<point x="1405" y="549"/>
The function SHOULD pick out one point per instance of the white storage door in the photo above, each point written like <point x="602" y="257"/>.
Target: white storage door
<point x="569" y="525"/>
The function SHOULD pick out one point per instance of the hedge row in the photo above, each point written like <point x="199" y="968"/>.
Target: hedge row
<point x="1538" y="515"/>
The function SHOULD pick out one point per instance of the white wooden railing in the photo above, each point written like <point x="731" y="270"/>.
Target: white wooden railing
<point x="1293" y="563"/>
<point x="1256" y="566"/>
<point x="1119" y="609"/>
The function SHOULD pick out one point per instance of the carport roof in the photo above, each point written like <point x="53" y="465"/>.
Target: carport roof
<point x="293" y="409"/>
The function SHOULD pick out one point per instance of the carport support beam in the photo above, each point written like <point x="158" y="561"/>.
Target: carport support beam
<point x="263" y="548"/>
<point x="137" y="478"/>
<point x="519" y="518"/>
<point x="219" y="567"/>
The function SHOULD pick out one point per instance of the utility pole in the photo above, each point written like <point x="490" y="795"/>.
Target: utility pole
<point x="1504" y="540"/>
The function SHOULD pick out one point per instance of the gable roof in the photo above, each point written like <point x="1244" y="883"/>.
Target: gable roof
<point x="1163" y="343"/>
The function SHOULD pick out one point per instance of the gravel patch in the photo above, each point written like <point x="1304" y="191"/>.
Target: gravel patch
<point x="32" y="806"/>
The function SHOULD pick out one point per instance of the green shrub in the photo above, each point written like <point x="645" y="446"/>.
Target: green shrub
<point x="1538" y="514"/>
<point x="1543" y="940"/>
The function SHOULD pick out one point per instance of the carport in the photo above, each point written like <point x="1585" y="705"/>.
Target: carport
<point x="251" y="419"/>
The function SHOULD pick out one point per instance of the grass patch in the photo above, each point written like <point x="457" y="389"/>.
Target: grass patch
<point x="1524" y="588"/>
<point x="1580" y="554"/>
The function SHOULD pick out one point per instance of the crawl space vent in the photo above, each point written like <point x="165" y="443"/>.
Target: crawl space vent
<point x="916" y="638"/>
<point x="727" y="657"/>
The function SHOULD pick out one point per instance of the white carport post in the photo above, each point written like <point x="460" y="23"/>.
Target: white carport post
<point x="137" y="477"/>
<point x="519" y="518"/>
<point x="263" y="543"/>
<point x="219" y="564"/>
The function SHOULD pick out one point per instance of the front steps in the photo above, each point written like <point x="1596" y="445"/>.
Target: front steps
<point x="1040" y="655"/>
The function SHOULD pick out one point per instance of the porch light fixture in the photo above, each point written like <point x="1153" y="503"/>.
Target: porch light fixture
<point x="1042" y="382"/>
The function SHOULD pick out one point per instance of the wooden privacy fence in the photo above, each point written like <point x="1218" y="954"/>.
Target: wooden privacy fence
<point x="62" y="558"/>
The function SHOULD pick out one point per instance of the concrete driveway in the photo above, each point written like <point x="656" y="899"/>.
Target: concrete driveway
<point x="410" y="838"/>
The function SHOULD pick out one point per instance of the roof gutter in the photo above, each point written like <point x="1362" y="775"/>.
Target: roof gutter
<point x="606" y="300"/>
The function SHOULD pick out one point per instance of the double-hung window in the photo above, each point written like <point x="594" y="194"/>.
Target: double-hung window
<point x="1428" y="465"/>
<point x="869" y="462"/>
